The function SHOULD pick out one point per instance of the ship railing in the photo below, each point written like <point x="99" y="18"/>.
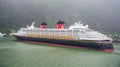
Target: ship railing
<point x="67" y="37"/>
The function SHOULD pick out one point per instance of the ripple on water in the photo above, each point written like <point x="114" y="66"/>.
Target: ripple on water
<point x="18" y="54"/>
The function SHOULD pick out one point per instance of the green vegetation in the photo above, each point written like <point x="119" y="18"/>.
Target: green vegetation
<point x="99" y="15"/>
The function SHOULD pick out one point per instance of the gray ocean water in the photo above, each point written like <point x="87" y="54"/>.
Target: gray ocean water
<point x="20" y="54"/>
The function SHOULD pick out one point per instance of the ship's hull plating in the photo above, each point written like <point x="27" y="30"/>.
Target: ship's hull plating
<point x="108" y="47"/>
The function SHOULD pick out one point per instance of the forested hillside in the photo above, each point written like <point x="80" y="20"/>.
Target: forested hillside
<point x="101" y="15"/>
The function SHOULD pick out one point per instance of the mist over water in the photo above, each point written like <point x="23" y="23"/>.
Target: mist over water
<point x="21" y="54"/>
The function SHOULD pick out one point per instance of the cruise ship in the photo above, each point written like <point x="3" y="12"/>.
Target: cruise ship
<point x="77" y="35"/>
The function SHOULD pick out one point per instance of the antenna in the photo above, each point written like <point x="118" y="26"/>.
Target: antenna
<point x="79" y="22"/>
<point x="33" y="23"/>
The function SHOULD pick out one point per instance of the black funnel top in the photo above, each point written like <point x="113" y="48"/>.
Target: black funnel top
<point x="60" y="22"/>
<point x="43" y="23"/>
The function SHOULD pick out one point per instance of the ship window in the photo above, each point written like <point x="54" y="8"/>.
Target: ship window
<point x="76" y="30"/>
<point x="89" y="30"/>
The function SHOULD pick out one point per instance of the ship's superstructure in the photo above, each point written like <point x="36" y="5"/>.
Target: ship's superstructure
<point x="1" y="34"/>
<point x="76" y="35"/>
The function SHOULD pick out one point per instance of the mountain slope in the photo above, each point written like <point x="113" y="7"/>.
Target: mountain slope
<point x="101" y="15"/>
